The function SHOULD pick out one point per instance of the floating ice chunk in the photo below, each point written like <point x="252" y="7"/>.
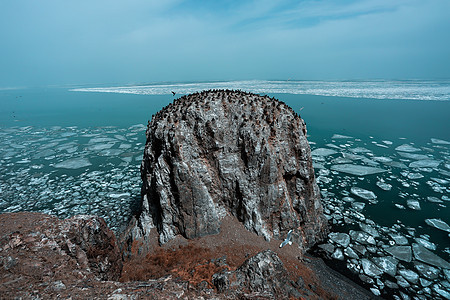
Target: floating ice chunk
<point x="341" y="160"/>
<point x="362" y="237"/>
<point x="427" y="271"/>
<point x="440" y="180"/>
<point x="333" y="146"/>
<point x="23" y="161"/>
<point x="340" y="136"/>
<point x="351" y="253"/>
<point x="44" y="153"/>
<point x="74" y="163"/>
<point x="440" y="142"/>
<point x="387" y="264"/>
<point x="438" y="223"/>
<point x="110" y="152"/>
<point x="447" y="274"/>
<point x="338" y="254"/>
<point x="401" y="281"/>
<point x="317" y="165"/>
<point x="138" y="127"/>
<point x="414" y="176"/>
<point x="353" y="156"/>
<point x="384" y="186"/>
<point x="399" y="239"/>
<point x="340" y="238"/>
<point x="99" y="147"/>
<point x="396" y="164"/>
<point x="362" y="193"/>
<point x="391" y="285"/>
<point x="380" y="145"/>
<point x="369" y="229"/>
<point x="434" y="199"/>
<point x="414" y="156"/>
<point x="375" y="291"/>
<point x="382" y="159"/>
<point x="438" y="289"/>
<point x="101" y="140"/>
<point x="359" y="206"/>
<point x="357" y="169"/>
<point x="400" y="252"/>
<point x="327" y="247"/>
<point x="119" y="195"/>
<point x="120" y="137"/>
<point x="426" y="163"/>
<point x="360" y="150"/>
<point x="428" y="257"/>
<point x="323" y="152"/>
<point x="424" y="282"/>
<point x="370" y="268"/>
<point x="413" y="204"/>
<point x="407" y="148"/>
<point x="387" y="142"/>
<point x="124" y="146"/>
<point x="409" y="275"/>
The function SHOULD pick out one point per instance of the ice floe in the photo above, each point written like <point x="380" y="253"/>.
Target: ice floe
<point x="426" y="163"/>
<point x="413" y="204"/>
<point x="409" y="275"/>
<point x="322" y="152"/>
<point x="428" y="257"/>
<point x="407" y="148"/>
<point x="440" y="142"/>
<point x="403" y="253"/>
<point x="340" y="136"/>
<point x="357" y="170"/>
<point x="342" y="239"/>
<point x="439" y="224"/>
<point x="384" y="186"/>
<point x="363" y="193"/>
<point x="370" y="269"/>
<point x="74" y="163"/>
<point x="387" y="264"/>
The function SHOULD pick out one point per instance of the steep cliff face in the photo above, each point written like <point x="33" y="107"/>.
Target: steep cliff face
<point x="219" y="153"/>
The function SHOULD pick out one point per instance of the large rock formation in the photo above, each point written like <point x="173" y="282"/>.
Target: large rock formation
<point x="219" y="153"/>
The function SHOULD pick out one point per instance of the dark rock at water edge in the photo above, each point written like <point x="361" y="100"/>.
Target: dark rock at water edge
<point x="219" y="153"/>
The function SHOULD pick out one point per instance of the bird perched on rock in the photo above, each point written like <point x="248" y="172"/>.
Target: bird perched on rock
<point x="287" y="240"/>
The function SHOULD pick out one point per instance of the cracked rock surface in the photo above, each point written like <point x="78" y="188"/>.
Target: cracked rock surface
<point x="218" y="153"/>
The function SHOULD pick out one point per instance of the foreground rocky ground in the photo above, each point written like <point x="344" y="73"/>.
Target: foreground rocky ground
<point x="42" y="257"/>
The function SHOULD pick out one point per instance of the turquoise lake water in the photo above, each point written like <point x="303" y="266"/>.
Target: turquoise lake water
<point x="67" y="152"/>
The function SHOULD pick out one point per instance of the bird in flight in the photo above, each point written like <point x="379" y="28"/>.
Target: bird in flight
<point x="287" y="240"/>
<point x="173" y="93"/>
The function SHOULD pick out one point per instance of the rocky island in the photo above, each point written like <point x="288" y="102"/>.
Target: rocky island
<point x="227" y="176"/>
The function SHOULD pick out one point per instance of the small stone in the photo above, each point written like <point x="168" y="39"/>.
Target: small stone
<point x="58" y="286"/>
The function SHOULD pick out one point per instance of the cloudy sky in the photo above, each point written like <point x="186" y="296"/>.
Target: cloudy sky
<point x="58" y="42"/>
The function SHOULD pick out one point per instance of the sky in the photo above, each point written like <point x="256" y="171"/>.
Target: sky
<point x="76" y="42"/>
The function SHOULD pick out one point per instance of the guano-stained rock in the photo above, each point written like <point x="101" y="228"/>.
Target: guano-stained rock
<point x="218" y="153"/>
